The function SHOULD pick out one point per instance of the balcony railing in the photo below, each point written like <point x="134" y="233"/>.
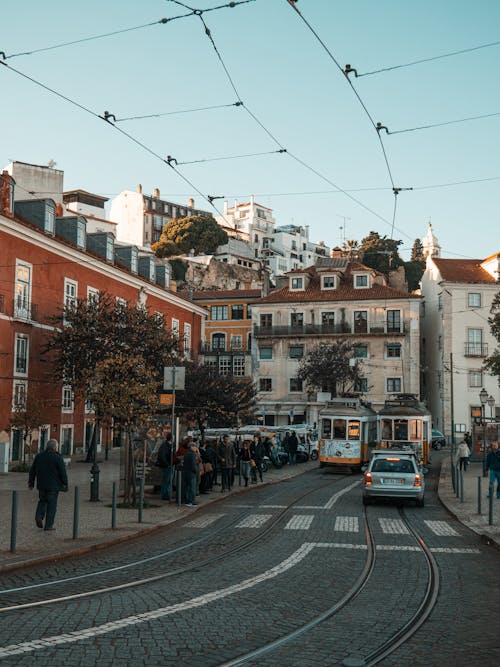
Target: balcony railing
<point x="24" y="309"/>
<point x="476" y="350"/>
<point x="206" y="348"/>
<point x="343" y="328"/>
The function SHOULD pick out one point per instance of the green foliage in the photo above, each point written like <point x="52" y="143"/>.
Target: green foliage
<point x="413" y="274"/>
<point x="326" y="368"/>
<point x="492" y="363"/>
<point x="179" y="269"/>
<point x="380" y="253"/>
<point x="417" y="252"/>
<point x="199" y="233"/>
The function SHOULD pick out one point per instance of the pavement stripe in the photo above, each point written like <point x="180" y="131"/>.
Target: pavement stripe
<point x="454" y="550"/>
<point x="203" y="521"/>
<point x="438" y="550"/>
<point x="393" y="527"/>
<point x="253" y="521"/>
<point x="299" y="522"/>
<point x="441" y="528"/>
<point x="330" y="503"/>
<point x="397" y="547"/>
<point x="347" y="524"/>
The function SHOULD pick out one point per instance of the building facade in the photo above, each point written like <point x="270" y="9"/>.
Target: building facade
<point x="337" y="299"/>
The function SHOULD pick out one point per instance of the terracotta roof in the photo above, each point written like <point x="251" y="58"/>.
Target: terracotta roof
<point x="463" y="270"/>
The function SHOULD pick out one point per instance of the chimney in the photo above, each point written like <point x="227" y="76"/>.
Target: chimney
<point x="5" y="186"/>
<point x="225" y="207"/>
<point x="265" y="285"/>
<point x="191" y="202"/>
<point x="156" y="193"/>
<point x="139" y="188"/>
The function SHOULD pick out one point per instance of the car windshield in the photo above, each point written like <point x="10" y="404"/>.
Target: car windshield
<point x="383" y="465"/>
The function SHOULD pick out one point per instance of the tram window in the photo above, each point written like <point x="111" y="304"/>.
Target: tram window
<point x="354" y="430"/>
<point x="326" y="428"/>
<point x="386" y="429"/>
<point x="339" y="428"/>
<point x="401" y="430"/>
<point x="415" y="429"/>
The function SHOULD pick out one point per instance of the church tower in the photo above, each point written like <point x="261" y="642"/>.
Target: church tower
<point x="430" y="244"/>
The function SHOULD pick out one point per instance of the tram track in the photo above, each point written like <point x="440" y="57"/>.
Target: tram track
<point x="210" y="540"/>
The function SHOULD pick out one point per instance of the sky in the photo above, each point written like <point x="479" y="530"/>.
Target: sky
<point x="333" y="176"/>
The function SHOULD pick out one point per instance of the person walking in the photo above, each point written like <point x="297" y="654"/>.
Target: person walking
<point x="258" y="453"/>
<point x="493" y="465"/>
<point x="49" y="470"/>
<point x="245" y="457"/>
<point x="164" y="461"/>
<point x="226" y="456"/>
<point x="189" y="472"/>
<point x="293" y="444"/>
<point x="463" y="453"/>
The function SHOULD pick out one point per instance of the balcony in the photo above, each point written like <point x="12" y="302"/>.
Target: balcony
<point x="476" y="350"/>
<point x="206" y="348"/>
<point x="343" y="328"/>
<point x="24" y="310"/>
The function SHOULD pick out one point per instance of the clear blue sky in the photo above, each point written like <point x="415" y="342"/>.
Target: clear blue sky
<point x="288" y="81"/>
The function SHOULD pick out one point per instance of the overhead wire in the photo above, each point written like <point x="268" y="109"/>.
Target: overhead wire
<point x="179" y="111"/>
<point x="448" y="122"/>
<point x="232" y="157"/>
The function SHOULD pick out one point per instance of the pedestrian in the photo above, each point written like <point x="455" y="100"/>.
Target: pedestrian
<point x="468" y="440"/>
<point x="49" y="470"/>
<point x="226" y="457"/>
<point x="493" y="465"/>
<point x="164" y="461"/>
<point x="258" y="453"/>
<point x="209" y="463"/>
<point x="189" y="471"/>
<point x="463" y="453"/>
<point x="293" y="444"/>
<point x="245" y="458"/>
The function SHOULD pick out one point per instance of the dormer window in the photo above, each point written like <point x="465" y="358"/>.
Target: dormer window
<point x="297" y="283"/>
<point x="328" y="282"/>
<point x="361" y="280"/>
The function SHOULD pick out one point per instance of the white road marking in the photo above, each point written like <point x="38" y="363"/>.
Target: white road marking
<point x="347" y="524"/>
<point x="441" y="528"/>
<point x="397" y="547"/>
<point x="299" y="522"/>
<point x="328" y="505"/>
<point x="273" y="507"/>
<point x="393" y="527"/>
<point x="453" y="550"/>
<point x="253" y="521"/>
<point x="203" y="521"/>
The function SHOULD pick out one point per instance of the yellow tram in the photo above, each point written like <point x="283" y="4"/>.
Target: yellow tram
<point x="347" y="432"/>
<point x="405" y="422"/>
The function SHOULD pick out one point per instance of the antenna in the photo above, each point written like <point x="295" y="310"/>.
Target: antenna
<point x="342" y="227"/>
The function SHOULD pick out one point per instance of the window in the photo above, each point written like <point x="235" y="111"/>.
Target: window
<point x="360" y="321"/>
<point x="328" y="320"/>
<point x="361" y="385"/>
<point x="175" y="327"/>
<point x="475" y="379"/>
<point x="295" y="384"/>
<point x="474" y="342"/>
<point x="110" y="249"/>
<point x="121" y="303"/>
<point x="50" y="219"/>
<point x="239" y="366"/>
<point x="187" y="339"/>
<point x="218" y="341"/>
<point x="20" y="389"/>
<point x="266" y="352"/>
<point x="296" y="351"/>
<point x="92" y="295"/>
<point x="21" y="355"/>
<point x="360" y="351"/>
<point x="133" y="260"/>
<point x="297" y="320"/>
<point x="393" y="351"/>
<point x="328" y="282"/>
<point x="225" y="367"/>
<point x="70" y="291"/>
<point x="265" y="384"/>
<point x="157" y="223"/>
<point x="22" y="303"/>
<point x="67" y="399"/>
<point x="80" y="234"/>
<point x="219" y="313"/>
<point x="393" y="321"/>
<point x="339" y="429"/>
<point x="236" y="341"/>
<point x="393" y="385"/>
<point x="66" y="440"/>
<point x="237" y="312"/>
<point x="361" y="280"/>
<point x="266" y="321"/>
<point x="474" y="300"/>
<point x="297" y="283"/>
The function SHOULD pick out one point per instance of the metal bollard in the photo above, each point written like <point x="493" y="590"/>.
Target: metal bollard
<point x="13" y="523"/>
<point x="141" y="498"/>
<point x="113" y="507"/>
<point x="490" y="506"/>
<point x="457" y="477"/>
<point x="479" y="510"/>
<point x="179" y="487"/>
<point x="461" y="486"/>
<point x="453" y="480"/>
<point x="76" y="511"/>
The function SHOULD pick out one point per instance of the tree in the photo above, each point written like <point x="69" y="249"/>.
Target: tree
<point x="380" y="253"/>
<point x="417" y="252"/>
<point x="217" y="399"/>
<point x="328" y="367"/>
<point x="492" y="363"/>
<point x="199" y="233"/>
<point x="414" y="269"/>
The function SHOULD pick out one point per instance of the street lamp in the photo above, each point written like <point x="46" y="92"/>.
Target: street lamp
<point x="483" y="397"/>
<point x="491" y="403"/>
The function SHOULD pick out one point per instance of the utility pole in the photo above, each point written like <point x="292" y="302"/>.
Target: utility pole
<point x="452" y="402"/>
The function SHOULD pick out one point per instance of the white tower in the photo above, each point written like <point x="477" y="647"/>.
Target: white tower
<point x="430" y="244"/>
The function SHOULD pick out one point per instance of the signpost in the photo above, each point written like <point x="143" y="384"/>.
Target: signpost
<point x="174" y="377"/>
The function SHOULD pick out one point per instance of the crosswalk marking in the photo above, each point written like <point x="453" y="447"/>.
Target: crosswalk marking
<point x="299" y="522"/>
<point x="347" y="524"/>
<point x="393" y="527"/>
<point x="441" y="528"/>
<point x="254" y="521"/>
<point x="203" y="521"/>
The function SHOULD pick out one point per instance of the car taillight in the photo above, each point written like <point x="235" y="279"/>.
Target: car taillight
<point x="418" y="480"/>
<point x="368" y="478"/>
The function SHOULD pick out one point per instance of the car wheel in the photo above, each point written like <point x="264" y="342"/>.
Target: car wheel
<point x="314" y="455"/>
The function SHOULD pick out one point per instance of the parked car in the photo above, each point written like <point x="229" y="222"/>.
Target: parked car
<point x="438" y="439"/>
<point x="393" y="474"/>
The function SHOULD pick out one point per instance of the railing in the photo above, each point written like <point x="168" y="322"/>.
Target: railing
<point x="206" y="348"/>
<point x="342" y="328"/>
<point x="24" y="309"/>
<point x="476" y="350"/>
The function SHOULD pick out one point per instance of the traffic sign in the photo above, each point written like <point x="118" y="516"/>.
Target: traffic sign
<point x="166" y="399"/>
<point x="174" y="378"/>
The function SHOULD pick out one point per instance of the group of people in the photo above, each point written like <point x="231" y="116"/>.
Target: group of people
<point x="201" y="463"/>
<point x="492" y="460"/>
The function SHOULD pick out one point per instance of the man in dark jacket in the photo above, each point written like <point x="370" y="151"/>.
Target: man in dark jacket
<point x="164" y="461"/>
<point x="493" y="465"/>
<point x="189" y="470"/>
<point x="293" y="443"/>
<point x="50" y="472"/>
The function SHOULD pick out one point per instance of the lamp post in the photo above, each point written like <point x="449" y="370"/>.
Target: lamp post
<point x="483" y="397"/>
<point x="491" y="403"/>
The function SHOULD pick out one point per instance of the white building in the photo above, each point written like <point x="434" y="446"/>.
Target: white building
<point x="34" y="181"/>
<point x="252" y="222"/>
<point x="456" y="338"/>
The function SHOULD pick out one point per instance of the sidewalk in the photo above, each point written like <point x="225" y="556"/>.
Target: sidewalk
<point x="466" y="511"/>
<point x="37" y="546"/>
